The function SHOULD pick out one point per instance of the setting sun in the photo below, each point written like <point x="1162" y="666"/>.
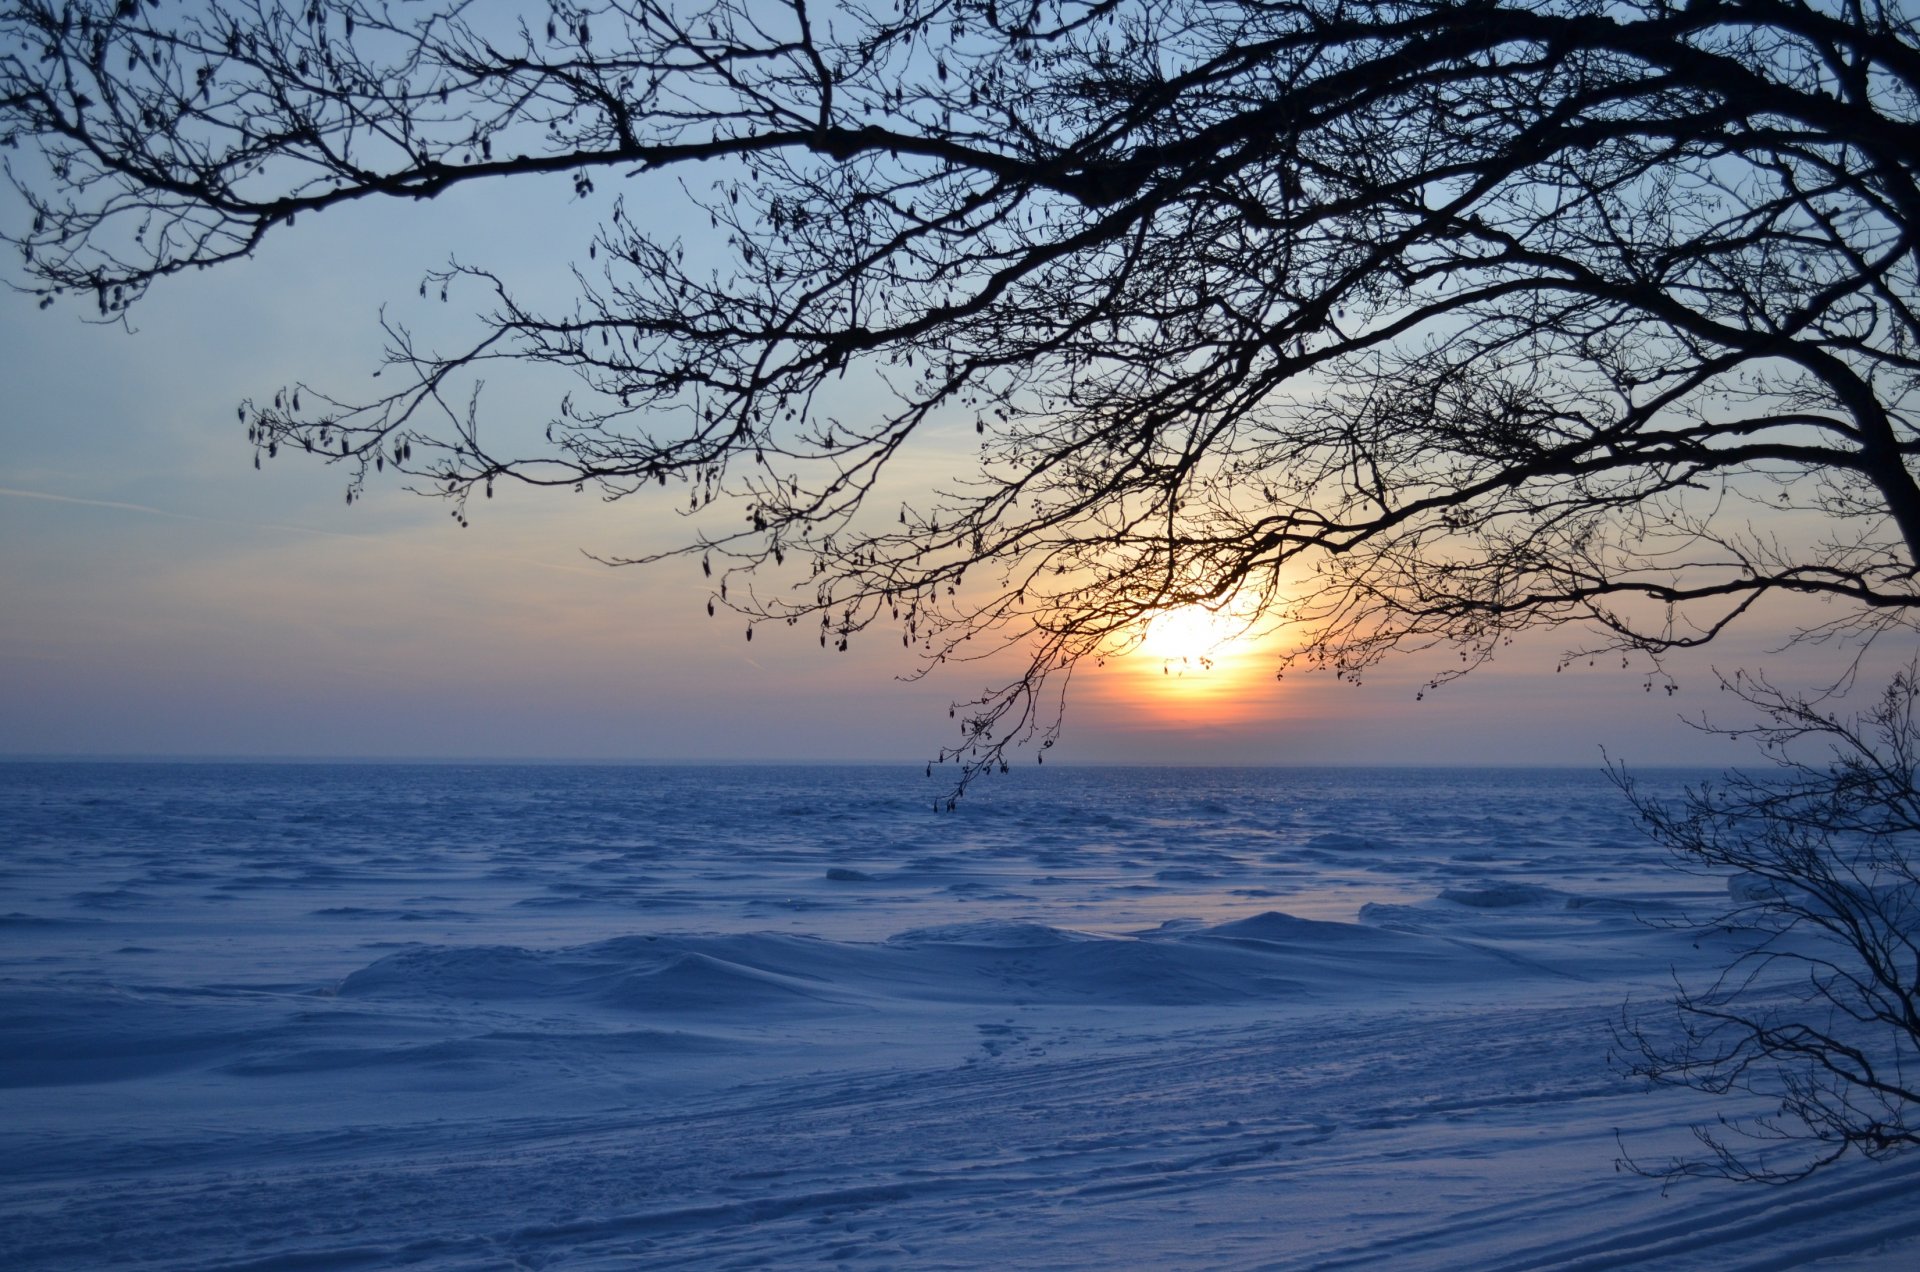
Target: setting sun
<point x="1193" y="665"/>
<point x="1191" y="637"/>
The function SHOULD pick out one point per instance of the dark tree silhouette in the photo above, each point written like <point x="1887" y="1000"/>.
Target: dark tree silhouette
<point x="1820" y="1008"/>
<point x="1398" y="323"/>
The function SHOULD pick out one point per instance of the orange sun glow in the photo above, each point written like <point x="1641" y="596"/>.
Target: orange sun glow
<point x="1191" y="638"/>
<point x="1199" y="666"/>
<point x="1194" y="666"/>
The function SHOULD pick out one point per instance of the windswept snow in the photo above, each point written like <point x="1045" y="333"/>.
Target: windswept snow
<point x="611" y="1018"/>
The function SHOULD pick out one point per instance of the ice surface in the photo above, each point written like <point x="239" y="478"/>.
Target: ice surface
<point x="494" y="1017"/>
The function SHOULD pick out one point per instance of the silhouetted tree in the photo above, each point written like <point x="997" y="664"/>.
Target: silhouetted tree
<point x="1820" y="1008"/>
<point x="1400" y="323"/>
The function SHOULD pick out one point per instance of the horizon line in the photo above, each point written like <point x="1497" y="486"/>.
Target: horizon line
<point x="441" y="761"/>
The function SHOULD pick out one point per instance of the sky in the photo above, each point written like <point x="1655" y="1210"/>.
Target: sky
<point x="158" y="597"/>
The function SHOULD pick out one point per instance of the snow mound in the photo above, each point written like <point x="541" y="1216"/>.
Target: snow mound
<point x="1503" y="896"/>
<point x="1279" y="927"/>
<point x="694" y="981"/>
<point x="640" y="973"/>
<point x="990" y="934"/>
<point x="472" y="972"/>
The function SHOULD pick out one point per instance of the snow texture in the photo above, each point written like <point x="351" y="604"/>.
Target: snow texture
<point x="444" y="1017"/>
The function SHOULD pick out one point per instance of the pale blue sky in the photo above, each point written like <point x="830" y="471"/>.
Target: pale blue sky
<point x="157" y="596"/>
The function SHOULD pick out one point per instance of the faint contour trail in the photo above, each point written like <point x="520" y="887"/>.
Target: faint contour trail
<point x="1218" y="1148"/>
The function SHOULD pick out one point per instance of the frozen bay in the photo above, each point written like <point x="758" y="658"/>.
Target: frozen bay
<point x="498" y="1016"/>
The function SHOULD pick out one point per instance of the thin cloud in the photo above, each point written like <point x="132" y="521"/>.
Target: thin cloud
<point x="47" y="496"/>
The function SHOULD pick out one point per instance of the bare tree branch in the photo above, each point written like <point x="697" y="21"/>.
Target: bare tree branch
<point x="1820" y="1008"/>
<point x="1395" y="323"/>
